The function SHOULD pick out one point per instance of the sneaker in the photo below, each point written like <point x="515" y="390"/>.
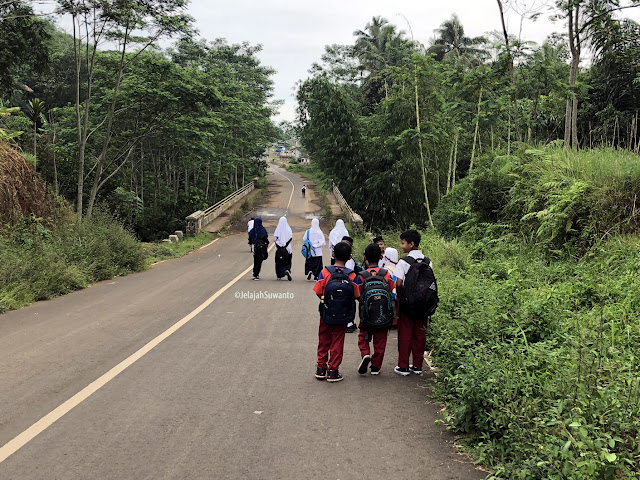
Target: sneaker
<point x="416" y="370"/>
<point x="351" y="328"/>
<point x="375" y="371"/>
<point x="401" y="371"/>
<point x="256" y="278"/>
<point x="334" y="376"/>
<point x="364" y="364"/>
<point x="309" y="275"/>
<point x="288" y="273"/>
<point x="321" y="373"/>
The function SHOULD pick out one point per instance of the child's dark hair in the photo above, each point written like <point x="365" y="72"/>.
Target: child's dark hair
<point x="348" y="239"/>
<point x="372" y="253"/>
<point x="411" y="236"/>
<point x="342" y="251"/>
<point x="378" y="239"/>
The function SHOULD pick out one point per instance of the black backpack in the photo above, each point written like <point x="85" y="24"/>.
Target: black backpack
<point x="282" y="255"/>
<point x="261" y="250"/>
<point x="419" y="289"/>
<point x="377" y="307"/>
<point x="339" y="297"/>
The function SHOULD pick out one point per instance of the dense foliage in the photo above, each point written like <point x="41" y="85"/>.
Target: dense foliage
<point x="387" y="118"/>
<point x="151" y="135"/>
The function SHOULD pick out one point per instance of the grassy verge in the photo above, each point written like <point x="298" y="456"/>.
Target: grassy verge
<point x="156" y="252"/>
<point x="37" y="263"/>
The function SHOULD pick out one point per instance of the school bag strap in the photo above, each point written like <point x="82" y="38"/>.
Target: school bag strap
<point x="365" y="274"/>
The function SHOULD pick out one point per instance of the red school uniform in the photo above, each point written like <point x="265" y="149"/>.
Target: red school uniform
<point x="331" y="337"/>
<point x="379" y="337"/>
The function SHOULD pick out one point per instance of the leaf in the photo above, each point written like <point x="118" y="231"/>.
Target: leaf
<point x="610" y="457"/>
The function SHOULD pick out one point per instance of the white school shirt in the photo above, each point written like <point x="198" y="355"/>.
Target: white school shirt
<point x="403" y="267"/>
<point x="250" y="225"/>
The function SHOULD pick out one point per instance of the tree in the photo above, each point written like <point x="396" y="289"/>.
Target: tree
<point x="23" y="44"/>
<point x="452" y="43"/>
<point x="95" y="21"/>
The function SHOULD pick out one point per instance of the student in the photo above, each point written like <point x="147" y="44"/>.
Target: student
<point x="411" y="326"/>
<point x="351" y="265"/>
<point x="377" y="310"/>
<point x="282" y="238"/>
<point x="336" y="235"/>
<point x="304" y="190"/>
<point x="249" y="227"/>
<point x="390" y="262"/>
<point x="259" y="238"/>
<point x="337" y="294"/>
<point x="313" y="264"/>
<point x="381" y="243"/>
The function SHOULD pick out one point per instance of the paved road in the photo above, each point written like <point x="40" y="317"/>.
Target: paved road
<point x="229" y="395"/>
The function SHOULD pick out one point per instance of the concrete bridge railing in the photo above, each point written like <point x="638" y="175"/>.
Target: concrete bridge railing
<point x="200" y="219"/>
<point x="353" y="217"/>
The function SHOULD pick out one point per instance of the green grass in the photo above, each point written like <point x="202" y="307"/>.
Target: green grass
<point x="157" y="252"/>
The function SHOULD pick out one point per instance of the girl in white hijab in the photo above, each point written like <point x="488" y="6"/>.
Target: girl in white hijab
<point x="283" y="237"/>
<point x="335" y="236"/>
<point x="313" y="265"/>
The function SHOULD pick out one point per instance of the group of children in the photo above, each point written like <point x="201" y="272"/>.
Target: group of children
<point x="259" y="243"/>
<point x="390" y="292"/>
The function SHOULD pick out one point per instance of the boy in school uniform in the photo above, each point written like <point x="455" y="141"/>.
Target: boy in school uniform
<point x="335" y="312"/>
<point x="381" y="303"/>
<point x="382" y="244"/>
<point x="412" y="330"/>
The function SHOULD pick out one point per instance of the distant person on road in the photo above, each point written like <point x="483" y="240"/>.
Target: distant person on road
<point x="337" y="294"/>
<point x="249" y="227"/>
<point x="377" y="310"/>
<point x="259" y="238"/>
<point x="335" y="236"/>
<point x="284" y="253"/>
<point x="304" y="190"/>
<point x="313" y="264"/>
<point x="414" y="295"/>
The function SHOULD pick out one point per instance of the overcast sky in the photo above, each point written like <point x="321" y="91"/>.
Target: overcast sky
<point x="294" y="32"/>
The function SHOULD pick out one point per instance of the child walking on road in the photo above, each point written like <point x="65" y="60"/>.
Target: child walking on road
<point x="313" y="264"/>
<point x="418" y="299"/>
<point x="284" y="253"/>
<point x="377" y="310"/>
<point x="337" y="292"/>
<point x="259" y="238"/>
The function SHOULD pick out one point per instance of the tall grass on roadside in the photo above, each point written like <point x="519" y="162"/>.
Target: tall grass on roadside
<point x="37" y="263"/>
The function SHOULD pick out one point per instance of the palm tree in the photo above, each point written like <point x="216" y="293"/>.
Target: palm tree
<point x="380" y="46"/>
<point x="451" y="42"/>
<point x="36" y="111"/>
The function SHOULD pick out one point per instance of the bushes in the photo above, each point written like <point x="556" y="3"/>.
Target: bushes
<point x="37" y="263"/>
<point x="537" y="361"/>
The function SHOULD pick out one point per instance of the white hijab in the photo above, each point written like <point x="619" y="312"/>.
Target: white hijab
<point x="337" y="233"/>
<point x="316" y="237"/>
<point x="390" y="258"/>
<point x="283" y="234"/>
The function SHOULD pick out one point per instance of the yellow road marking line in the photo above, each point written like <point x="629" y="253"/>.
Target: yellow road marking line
<point x="45" y="422"/>
<point x="210" y="243"/>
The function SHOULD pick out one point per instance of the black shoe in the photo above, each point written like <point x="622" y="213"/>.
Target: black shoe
<point x="288" y="273"/>
<point x="402" y="371"/>
<point x="364" y="364"/>
<point x="351" y="329"/>
<point x="416" y="370"/>
<point x="334" y="376"/>
<point x="375" y="371"/>
<point x="309" y="275"/>
<point x="321" y="373"/>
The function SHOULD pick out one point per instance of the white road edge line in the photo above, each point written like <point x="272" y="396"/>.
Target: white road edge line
<point x="293" y="189"/>
<point x="210" y="243"/>
<point x="45" y="422"/>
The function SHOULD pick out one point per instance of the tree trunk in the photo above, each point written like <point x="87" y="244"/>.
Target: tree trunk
<point x="475" y="134"/>
<point x="571" y="111"/>
<point x="512" y="74"/>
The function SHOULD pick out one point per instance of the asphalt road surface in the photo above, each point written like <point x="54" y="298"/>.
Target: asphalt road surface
<point x="93" y="386"/>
